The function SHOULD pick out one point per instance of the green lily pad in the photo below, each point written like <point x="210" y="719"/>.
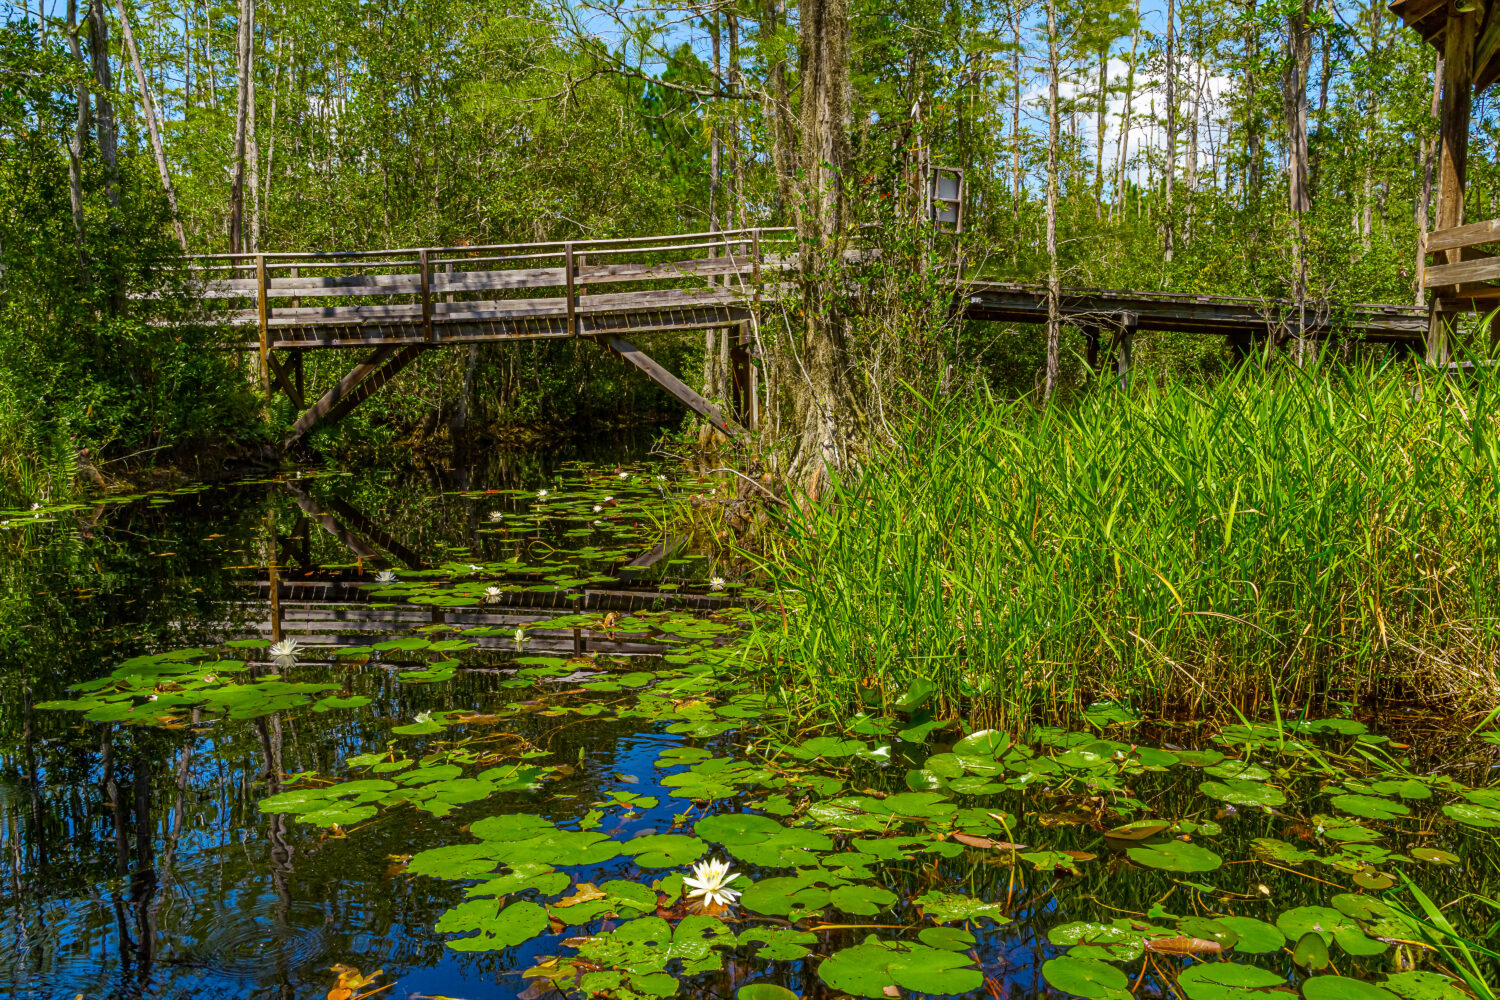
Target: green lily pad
<point x="499" y="925"/>
<point x="1229" y="981"/>
<point x="1176" y="856"/>
<point x="1425" y="986"/>
<point x="1343" y="988"/>
<point x="1244" y="792"/>
<point x="1087" y="978"/>
<point x="1369" y="806"/>
<point x="1256" y="936"/>
<point x="869" y="969"/>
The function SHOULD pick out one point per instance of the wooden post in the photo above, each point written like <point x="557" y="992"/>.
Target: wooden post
<point x="1091" y="340"/>
<point x="1453" y="158"/>
<point x="263" y="316"/>
<point x="297" y="372"/>
<point x="742" y="375"/>
<point x="1124" y="344"/>
<point x="426" y="282"/>
<point x="448" y="270"/>
<point x="568" y="276"/>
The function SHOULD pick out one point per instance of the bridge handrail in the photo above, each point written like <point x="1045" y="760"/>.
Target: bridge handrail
<point x="585" y="245"/>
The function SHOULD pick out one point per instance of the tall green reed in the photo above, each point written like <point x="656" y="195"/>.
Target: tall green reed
<point x="1311" y="537"/>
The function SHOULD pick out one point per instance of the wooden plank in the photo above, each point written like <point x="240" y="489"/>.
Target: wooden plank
<point x="676" y="387"/>
<point x="1463" y="236"/>
<point x="572" y="296"/>
<point x="1483" y="269"/>
<point x="330" y="398"/>
<point x="426" y="292"/>
<point x="261" y="316"/>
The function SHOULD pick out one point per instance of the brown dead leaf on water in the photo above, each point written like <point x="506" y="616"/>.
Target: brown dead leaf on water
<point x="1183" y="946"/>
<point x="586" y="893"/>
<point x="973" y="840"/>
<point x="351" y="981"/>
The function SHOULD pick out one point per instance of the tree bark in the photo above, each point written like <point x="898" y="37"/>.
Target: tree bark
<point x="1118" y="208"/>
<point x="149" y="107"/>
<point x="1054" y="327"/>
<point x="1424" y="197"/>
<point x="106" y="135"/>
<point x="242" y="110"/>
<point x="1099" y="134"/>
<point x="252" y="149"/>
<point x="1169" y="238"/>
<point x="1299" y="60"/>
<point x="80" y="133"/>
<point x="825" y="408"/>
<point x="1015" y="117"/>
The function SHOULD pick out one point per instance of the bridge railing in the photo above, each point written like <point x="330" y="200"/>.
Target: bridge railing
<point x="556" y="288"/>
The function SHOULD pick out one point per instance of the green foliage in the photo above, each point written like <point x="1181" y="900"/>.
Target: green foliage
<point x="1303" y="536"/>
<point x="98" y="347"/>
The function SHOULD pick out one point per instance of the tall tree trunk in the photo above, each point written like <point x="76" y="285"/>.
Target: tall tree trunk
<point x="252" y="150"/>
<point x="779" y="114"/>
<point x="1015" y="117"/>
<point x="80" y="132"/>
<point x="105" y="133"/>
<point x="1169" y="240"/>
<point x="1054" y="281"/>
<point x="1118" y="208"/>
<point x="713" y="386"/>
<point x="149" y="107"/>
<point x="736" y="157"/>
<point x="1099" y="134"/>
<point x="1424" y="197"/>
<point x="826" y="410"/>
<point x="1299" y="60"/>
<point x="1252" y="114"/>
<point x="241" y="116"/>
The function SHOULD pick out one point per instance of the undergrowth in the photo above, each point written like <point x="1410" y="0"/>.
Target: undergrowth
<point x="1298" y="539"/>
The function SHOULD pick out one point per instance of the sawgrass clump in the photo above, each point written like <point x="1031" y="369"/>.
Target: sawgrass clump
<point x="1298" y="539"/>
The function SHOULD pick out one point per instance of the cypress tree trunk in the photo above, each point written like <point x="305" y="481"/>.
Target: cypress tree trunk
<point x="242" y="109"/>
<point x="1054" y="326"/>
<point x="824" y="407"/>
<point x="1299" y="60"/>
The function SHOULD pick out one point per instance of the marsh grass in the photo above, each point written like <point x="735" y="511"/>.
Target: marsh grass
<point x="1307" y="538"/>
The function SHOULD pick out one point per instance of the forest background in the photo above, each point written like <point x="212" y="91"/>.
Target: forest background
<point x="1142" y="145"/>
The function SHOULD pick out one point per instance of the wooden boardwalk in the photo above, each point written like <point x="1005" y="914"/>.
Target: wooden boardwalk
<point x="398" y="303"/>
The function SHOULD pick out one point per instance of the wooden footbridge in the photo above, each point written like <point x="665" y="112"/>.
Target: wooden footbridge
<point x="396" y="304"/>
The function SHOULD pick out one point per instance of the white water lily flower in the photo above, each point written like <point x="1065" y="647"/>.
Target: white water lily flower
<point x="624" y="475"/>
<point x="520" y="637"/>
<point x="541" y="494"/>
<point x="492" y="594"/>
<point x="385" y="576"/>
<point x="285" y="648"/>
<point x="36" y="506"/>
<point x="661" y="479"/>
<point x="597" y="508"/>
<point x="151" y="697"/>
<point x="424" y="716"/>
<point x="597" y="523"/>
<point x="474" y="569"/>
<point x="716" y="583"/>
<point x="609" y="499"/>
<point x="495" y="515"/>
<point x="710" y="880"/>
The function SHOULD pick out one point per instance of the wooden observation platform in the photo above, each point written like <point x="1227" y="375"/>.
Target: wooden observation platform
<point x="396" y="304"/>
<point x="1459" y="274"/>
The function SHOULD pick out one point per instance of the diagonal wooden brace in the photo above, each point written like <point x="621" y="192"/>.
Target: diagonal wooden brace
<point x="281" y="379"/>
<point x="676" y="387"/>
<point x="353" y="389"/>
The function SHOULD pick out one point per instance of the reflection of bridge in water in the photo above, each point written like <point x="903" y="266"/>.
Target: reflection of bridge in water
<point x="323" y="607"/>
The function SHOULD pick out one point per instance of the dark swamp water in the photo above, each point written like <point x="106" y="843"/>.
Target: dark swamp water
<point x="421" y="790"/>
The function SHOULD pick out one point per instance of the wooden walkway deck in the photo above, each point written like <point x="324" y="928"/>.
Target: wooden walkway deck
<point x="399" y="303"/>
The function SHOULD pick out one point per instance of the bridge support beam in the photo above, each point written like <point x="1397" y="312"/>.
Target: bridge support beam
<point x="674" y="385"/>
<point x="1123" y="345"/>
<point x="742" y="380"/>
<point x="362" y="381"/>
